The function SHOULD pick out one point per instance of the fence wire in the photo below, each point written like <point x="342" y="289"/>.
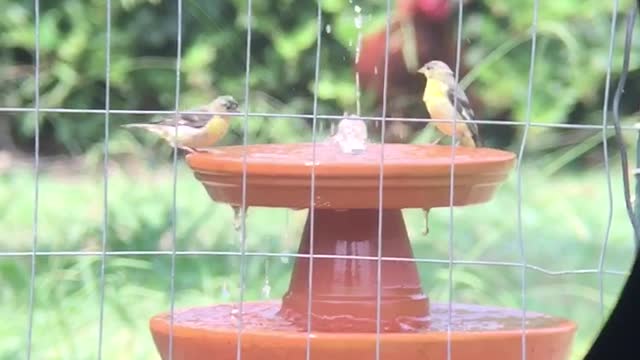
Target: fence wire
<point x="105" y="180"/>
<point x="311" y="116"/>
<point x="451" y="261"/>
<point x="243" y="206"/>
<point x="312" y="193"/>
<point x="605" y="150"/>
<point x="452" y="169"/>
<point x="174" y="180"/>
<point x="521" y="240"/>
<point x="36" y="170"/>
<point x="385" y="80"/>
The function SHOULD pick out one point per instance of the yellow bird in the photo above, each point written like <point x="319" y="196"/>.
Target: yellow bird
<point x="194" y="130"/>
<point x="439" y="94"/>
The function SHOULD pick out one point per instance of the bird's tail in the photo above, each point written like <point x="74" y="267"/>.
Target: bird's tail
<point x="161" y="130"/>
<point x="138" y="125"/>
<point x="149" y="127"/>
<point x="469" y="140"/>
<point x="476" y="138"/>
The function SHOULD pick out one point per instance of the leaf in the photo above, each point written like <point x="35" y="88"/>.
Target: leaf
<point x="49" y="35"/>
<point x="332" y="6"/>
<point x="291" y="44"/>
<point x="200" y="55"/>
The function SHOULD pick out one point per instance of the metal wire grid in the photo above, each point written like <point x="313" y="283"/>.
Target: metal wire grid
<point x="243" y="253"/>
<point x="527" y="120"/>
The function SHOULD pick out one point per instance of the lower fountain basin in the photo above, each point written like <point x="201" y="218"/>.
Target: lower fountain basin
<point x="477" y="332"/>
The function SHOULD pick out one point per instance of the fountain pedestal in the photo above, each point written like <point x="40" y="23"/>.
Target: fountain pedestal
<point x="340" y="248"/>
<point x="345" y="289"/>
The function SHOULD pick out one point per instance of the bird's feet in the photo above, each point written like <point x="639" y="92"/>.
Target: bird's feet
<point x="192" y="150"/>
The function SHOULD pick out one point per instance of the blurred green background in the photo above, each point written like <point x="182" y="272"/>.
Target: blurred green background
<point x="565" y="202"/>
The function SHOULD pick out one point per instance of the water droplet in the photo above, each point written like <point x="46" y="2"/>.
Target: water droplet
<point x="225" y="291"/>
<point x="237" y="217"/>
<point x="235" y="314"/>
<point x="425" y="231"/>
<point x="266" y="289"/>
<point x="358" y="93"/>
<point x="358" y="47"/>
<point x="284" y="259"/>
<point x="358" y="21"/>
<point x="375" y="70"/>
<point x="358" y="24"/>
<point x="328" y="29"/>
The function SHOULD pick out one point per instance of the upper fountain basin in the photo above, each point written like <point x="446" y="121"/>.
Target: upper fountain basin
<point x="414" y="176"/>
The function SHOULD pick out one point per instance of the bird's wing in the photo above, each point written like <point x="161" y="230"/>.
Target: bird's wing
<point x="191" y="120"/>
<point x="463" y="107"/>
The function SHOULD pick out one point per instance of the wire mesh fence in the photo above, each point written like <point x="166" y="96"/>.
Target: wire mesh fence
<point x="244" y="254"/>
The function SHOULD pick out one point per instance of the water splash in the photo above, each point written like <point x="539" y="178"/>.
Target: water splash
<point x="235" y="316"/>
<point x="358" y="24"/>
<point x="358" y="19"/>
<point x="358" y="93"/>
<point x="328" y="29"/>
<point x="351" y="135"/>
<point x="266" y="289"/>
<point x="266" y="316"/>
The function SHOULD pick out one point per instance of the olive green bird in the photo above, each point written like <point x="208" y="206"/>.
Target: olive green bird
<point x="194" y="130"/>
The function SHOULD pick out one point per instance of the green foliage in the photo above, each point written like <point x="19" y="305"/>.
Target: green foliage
<point x="571" y="57"/>
<point x="571" y="61"/>
<point x="143" y="58"/>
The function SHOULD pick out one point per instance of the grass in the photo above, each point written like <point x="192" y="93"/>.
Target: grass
<point x="564" y="223"/>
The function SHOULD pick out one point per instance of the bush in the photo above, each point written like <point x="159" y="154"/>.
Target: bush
<point x="573" y="38"/>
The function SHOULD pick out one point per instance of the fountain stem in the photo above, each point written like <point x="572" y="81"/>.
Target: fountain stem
<point x="345" y="287"/>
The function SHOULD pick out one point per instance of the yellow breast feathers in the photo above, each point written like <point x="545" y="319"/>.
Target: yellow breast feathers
<point x="216" y="128"/>
<point x="436" y="99"/>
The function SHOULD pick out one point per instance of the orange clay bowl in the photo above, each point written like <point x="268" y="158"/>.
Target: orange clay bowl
<point x="347" y="310"/>
<point x="414" y="176"/>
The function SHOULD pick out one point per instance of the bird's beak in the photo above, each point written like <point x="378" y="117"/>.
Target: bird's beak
<point x="423" y="70"/>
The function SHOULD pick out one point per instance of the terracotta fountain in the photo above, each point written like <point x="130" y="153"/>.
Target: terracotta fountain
<point x="344" y="280"/>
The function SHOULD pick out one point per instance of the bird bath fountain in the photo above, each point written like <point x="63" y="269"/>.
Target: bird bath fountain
<point x="344" y="279"/>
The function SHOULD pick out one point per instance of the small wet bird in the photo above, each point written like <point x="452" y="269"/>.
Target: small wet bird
<point x="194" y="130"/>
<point x="439" y="96"/>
